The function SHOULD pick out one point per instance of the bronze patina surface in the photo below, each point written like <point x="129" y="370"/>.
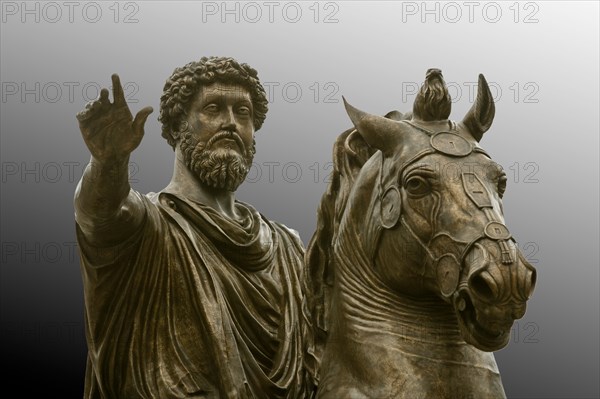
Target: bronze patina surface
<point x="189" y="293"/>
<point x="414" y="276"/>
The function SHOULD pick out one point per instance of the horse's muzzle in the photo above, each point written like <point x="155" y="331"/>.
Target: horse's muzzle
<point x="492" y="294"/>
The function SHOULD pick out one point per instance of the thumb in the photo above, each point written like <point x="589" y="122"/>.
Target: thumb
<point x="140" y="119"/>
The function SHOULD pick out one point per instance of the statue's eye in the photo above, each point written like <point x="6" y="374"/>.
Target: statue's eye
<point x="417" y="186"/>
<point x="244" y="111"/>
<point x="501" y="185"/>
<point x="211" y="108"/>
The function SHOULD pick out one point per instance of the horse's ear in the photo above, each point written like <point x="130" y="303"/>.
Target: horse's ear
<point x="481" y="115"/>
<point x="379" y="132"/>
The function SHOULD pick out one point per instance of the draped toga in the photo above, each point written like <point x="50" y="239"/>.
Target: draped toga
<point x="196" y="305"/>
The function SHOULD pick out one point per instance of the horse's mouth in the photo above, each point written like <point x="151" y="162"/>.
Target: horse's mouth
<point x="475" y="333"/>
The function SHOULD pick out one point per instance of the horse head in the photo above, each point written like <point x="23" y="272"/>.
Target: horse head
<point x="439" y="213"/>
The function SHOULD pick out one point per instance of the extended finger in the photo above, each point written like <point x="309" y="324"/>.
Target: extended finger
<point x="118" y="95"/>
<point x="83" y="115"/>
<point x="89" y="111"/>
<point x="140" y="119"/>
<point x="104" y="97"/>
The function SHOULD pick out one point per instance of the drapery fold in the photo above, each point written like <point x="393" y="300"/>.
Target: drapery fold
<point x="194" y="304"/>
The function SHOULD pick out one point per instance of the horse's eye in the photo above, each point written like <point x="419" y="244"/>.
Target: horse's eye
<point x="417" y="186"/>
<point x="501" y="185"/>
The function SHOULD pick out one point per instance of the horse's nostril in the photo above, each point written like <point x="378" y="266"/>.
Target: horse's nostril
<point x="532" y="282"/>
<point x="482" y="287"/>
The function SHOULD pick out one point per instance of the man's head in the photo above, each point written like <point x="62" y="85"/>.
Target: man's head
<point x="211" y="108"/>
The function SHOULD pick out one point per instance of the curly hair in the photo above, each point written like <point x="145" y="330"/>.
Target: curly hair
<point x="182" y="86"/>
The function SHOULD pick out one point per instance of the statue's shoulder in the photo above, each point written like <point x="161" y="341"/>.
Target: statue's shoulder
<point x="161" y="199"/>
<point x="156" y="204"/>
<point x="288" y="231"/>
<point x="280" y="228"/>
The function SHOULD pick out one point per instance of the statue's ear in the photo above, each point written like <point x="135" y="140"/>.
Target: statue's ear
<point x="181" y="127"/>
<point x="481" y="115"/>
<point x="391" y="207"/>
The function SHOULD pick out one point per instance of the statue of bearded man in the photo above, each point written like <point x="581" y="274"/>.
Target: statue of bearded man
<point x="189" y="293"/>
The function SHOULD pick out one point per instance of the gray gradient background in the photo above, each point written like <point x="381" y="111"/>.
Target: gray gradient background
<point x="367" y="54"/>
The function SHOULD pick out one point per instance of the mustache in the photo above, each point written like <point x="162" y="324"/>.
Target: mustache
<point x="216" y="169"/>
<point x="227" y="134"/>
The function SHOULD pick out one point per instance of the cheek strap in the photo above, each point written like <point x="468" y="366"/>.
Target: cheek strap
<point x="391" y="207"/>
<point x="494" y="229"/>
<point x="448" y="264"/>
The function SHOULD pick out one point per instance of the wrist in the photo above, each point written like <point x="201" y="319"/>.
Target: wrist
<point x="112" y="163"/>
<point x="108" y="172"/>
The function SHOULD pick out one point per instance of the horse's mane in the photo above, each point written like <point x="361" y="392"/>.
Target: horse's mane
<point x="350" y="152"/>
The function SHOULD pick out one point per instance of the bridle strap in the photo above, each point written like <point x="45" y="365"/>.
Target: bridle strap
<point x="459" y="147"/>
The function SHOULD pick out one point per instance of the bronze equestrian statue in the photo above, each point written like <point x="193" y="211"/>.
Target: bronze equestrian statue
<point x="414" y="276"/>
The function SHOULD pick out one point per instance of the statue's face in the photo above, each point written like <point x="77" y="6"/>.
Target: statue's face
<point x="218" y="145"/>
<point x="222" y="107"/>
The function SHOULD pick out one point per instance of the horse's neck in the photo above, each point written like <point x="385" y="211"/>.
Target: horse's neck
<point x="383" y="344"/>
<point x="371" y="308"/>
<point x="359" y="213"/>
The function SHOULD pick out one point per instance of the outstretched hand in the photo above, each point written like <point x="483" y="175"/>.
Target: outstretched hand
<point x="109" y="129"/>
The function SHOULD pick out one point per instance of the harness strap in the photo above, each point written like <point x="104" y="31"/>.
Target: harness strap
<point x="451" y="143"/>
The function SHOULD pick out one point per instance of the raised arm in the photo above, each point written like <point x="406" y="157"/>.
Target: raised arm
<point x="106" y="209"/>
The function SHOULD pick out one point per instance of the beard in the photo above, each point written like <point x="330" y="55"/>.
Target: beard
<point x="433" y="102"/>
<point x="222" y="169"/>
